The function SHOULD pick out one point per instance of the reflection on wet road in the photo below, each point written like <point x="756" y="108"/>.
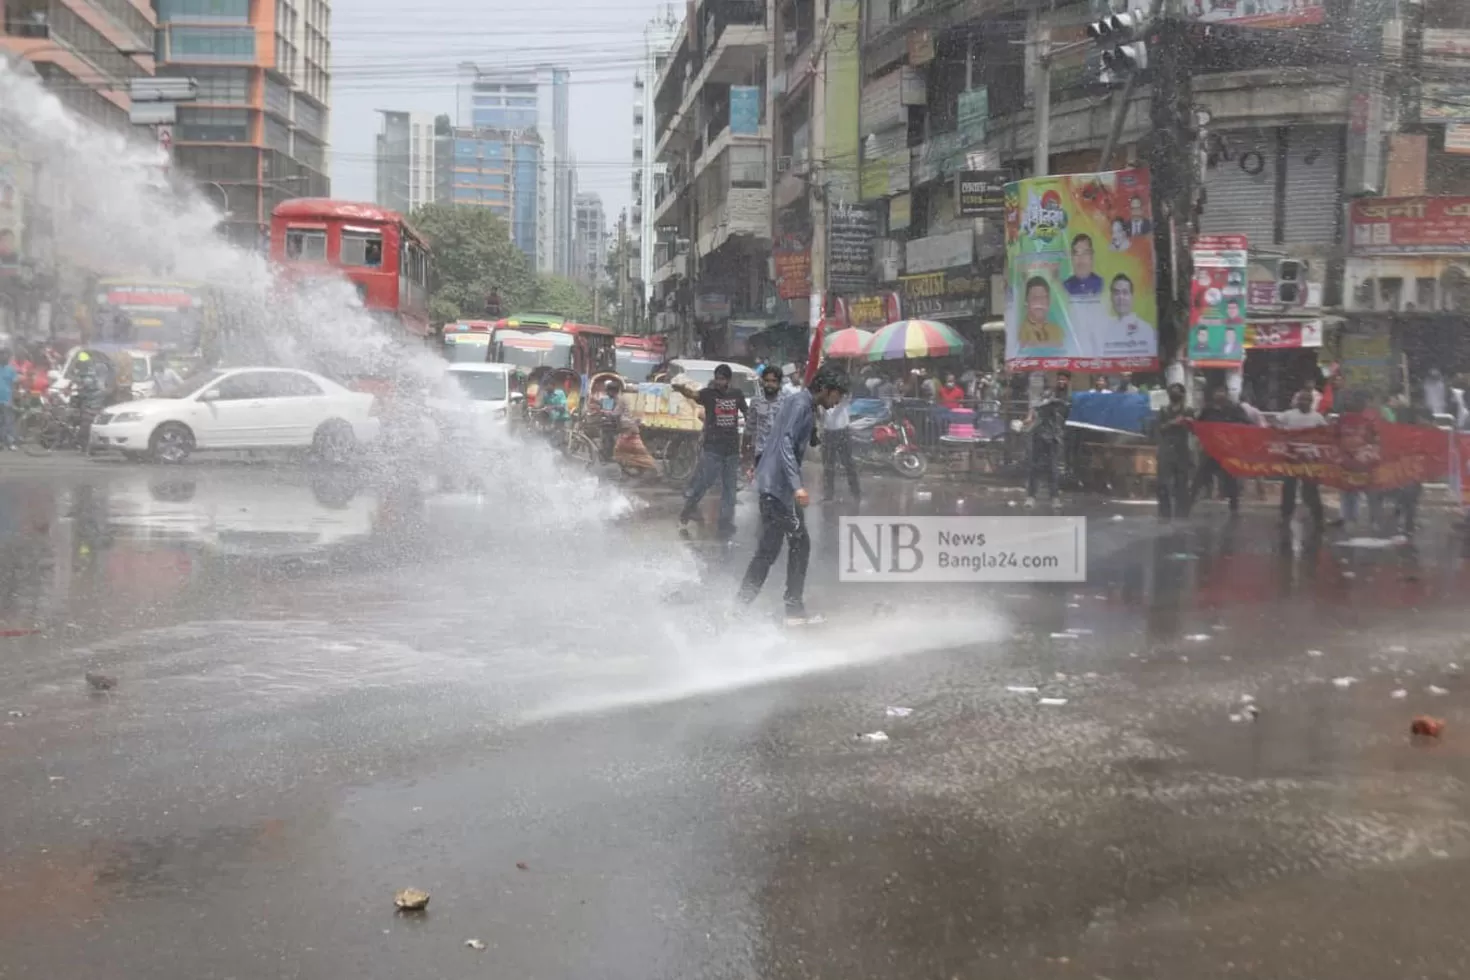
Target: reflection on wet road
<point x="332" y="685"/>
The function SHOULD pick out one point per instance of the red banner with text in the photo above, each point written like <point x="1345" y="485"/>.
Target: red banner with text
<point x="1356" y="452"/>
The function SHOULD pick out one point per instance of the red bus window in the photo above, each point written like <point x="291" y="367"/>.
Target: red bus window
<point x="306" y="244"/>
<point x="362" y="248"/>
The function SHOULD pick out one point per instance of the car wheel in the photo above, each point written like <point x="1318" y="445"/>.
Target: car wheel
<point x="171" y="442"/>
<point x="334" y="442"/>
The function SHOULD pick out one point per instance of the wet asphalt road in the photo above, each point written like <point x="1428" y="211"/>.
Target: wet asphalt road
<point x="331" y="686"/>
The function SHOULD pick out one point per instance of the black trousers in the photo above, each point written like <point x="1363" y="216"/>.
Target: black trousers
<point x="837" y="448"/>
<point x="1173" y="488"/>
<point x="779" y="523"/>
<point x="1311" y="494"/>
<point x="1210" y="470"/>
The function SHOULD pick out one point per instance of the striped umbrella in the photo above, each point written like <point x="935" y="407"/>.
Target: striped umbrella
<point x="851" y="342"/>
<point x="914" y="338"/>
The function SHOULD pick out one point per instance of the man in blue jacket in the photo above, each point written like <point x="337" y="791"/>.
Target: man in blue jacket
<point x="782" y="496"/>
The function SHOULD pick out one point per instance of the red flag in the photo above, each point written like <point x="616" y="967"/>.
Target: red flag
<point x="814" y="353"/>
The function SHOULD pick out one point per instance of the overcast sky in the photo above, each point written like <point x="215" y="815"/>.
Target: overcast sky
<point x="387" y="54"/>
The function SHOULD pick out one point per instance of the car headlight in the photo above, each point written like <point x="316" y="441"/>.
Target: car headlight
<point x="128" y="417"/>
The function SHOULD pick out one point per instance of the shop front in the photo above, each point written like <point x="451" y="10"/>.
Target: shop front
<point x="1281" y="357"/>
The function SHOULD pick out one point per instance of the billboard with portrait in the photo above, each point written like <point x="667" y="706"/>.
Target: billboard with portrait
<point x="1080" y="273"/>
<point x="1217" y="301"/>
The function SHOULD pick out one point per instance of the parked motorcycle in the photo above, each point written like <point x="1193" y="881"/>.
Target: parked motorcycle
<point x="881" y="442"/>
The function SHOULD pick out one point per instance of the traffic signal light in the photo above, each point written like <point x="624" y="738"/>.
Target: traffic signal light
<point x="1126" y="51"/>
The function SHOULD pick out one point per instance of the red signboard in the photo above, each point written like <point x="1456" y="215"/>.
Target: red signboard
<point x="1356" y="452"/>
<point x="1283" y="335"/>
<point x="1408" y="225"/>
<point x="793" y="273"/>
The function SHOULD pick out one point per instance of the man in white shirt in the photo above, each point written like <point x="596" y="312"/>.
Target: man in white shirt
<point x="837" y="448"/>
<point x="1300" y="416"/>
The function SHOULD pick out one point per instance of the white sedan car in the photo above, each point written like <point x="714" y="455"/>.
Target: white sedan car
<point x="241" y="408"/>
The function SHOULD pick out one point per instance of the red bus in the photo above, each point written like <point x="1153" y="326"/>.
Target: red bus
<point x="373" y="247"/>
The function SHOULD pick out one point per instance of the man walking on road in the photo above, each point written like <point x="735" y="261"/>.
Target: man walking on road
<point x="1047" y="424"/>
<point x="1220" y="409"/>
<point x="763" y="409"/>
<point x="837" y="448"/>
<point x="719" y="458"/>
<point x="782" y="496"/>
<point x="1174" y="463"/>
<point x="1301" y="416"/>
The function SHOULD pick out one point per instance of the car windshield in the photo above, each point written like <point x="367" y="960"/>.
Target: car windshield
<point x="192" y="385"/>
<point x="481" y="386"/>
<point x="703" y="376"/>
<point x="636" y="364"/>
<point x="533" y="357"/>
<point x="466" y="350"/>
<point x="141" y="371"/>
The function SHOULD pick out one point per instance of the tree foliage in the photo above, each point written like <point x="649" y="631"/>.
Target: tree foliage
<point x="473" y="257"/>
<point x="558" y="294"/>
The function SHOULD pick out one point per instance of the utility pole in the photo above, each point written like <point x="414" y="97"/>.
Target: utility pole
<point x="1174" y="169"/>
<point x="1041" y="159"/>
<point x="623" y="318"/>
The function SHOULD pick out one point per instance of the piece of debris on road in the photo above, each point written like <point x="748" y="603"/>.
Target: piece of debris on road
<point x="411" y="900"/>
<point x="873" y="737"/>
<point x="474" y="944"/>
<point x="100" y="682"/>
<point x="1426" y="727"/>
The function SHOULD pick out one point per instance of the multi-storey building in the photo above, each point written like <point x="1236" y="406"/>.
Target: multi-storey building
<point x="658" y="39"/>
<point x="712" y="205"/>
<point x="502" y="170"/>
<point x="1300" y="119"/>
<point x="532" y="101"/>
<point x="85" y="53"/>
<point x="257" y="134"/>
<point x="410" y="155"/>
<point x="590" y="253"/>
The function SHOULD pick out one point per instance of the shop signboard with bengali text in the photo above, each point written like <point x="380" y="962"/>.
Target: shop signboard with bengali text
<point x="952" y="294"/>
<point x="793" y="272"/>
<point x="1079" y="282"/>
<point x="851" y="231"/>
<point x="1259" y="13"/>
<point x="1217" y="301"/>
<point x="981" y="193"/>
<point x="1408" y="225"/>
<point x="1283" y="334"/>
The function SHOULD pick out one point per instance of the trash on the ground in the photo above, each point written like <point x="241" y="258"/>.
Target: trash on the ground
<point x="1059" y="676"/>
<point x="1052" y="702"/>
<point x="1397" y="648"/>
<point x="1117" y="517"/>
<point x="1427" y="727"/>
<point x="1064" y="636"/>
<point x="1344" y="682"/>
<point x="1078" y="631"/>
<point x="15" y="714"/>
<point x="1022" y="689"/>
<point x="1399" y="694"/>
<point x="873" y="737"/>
<point x="1349" y="574"/>
<point x="1197" y="637"/>
<point x="1247" y="699"/>
<point x="411" y="900"/>
<point x="1314" y="653"/>
<point x="1436" y="690"/>
<point x="522" y="866"/>
<point x="1453" y="669"/>
<point x="1011" y="503"/>
<point x="1090" y="675"/>
<point x="1245" y="709"/>
<point x="895" y="712"/>
<point x="1074" y="605"/>
<point x="474" y="944"/>
<point x="100" y="682"/>
<point x="1181" y="556"/>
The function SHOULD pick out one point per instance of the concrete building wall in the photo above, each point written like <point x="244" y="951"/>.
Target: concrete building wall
<point x="407" y="160"/>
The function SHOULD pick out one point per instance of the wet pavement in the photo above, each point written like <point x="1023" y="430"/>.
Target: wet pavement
<point x="531" y="698"/>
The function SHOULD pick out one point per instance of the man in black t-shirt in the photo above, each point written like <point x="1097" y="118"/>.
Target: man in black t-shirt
<point x="720" y="457"/>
